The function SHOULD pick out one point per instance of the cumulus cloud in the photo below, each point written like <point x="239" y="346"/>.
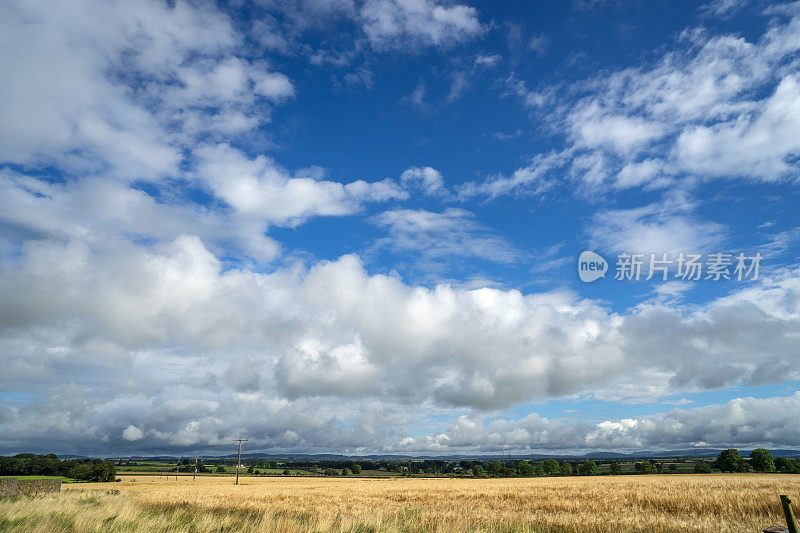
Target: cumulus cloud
<point x="93" y="209"/>
<point x="135" y="84"/>
<point x="138" y="320"/>
<point x="216" y="351"/>
<point x="132" y="433"/>
<point x="759" y="146"/>
<point x="143" y="94"/>
<point x="259" y="189"/>
<point x="743" y="422"/>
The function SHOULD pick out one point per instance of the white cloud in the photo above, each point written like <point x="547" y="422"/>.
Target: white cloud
<point x="417" y="97"/>
<point x="594" y="128"/>
<point x="742" y="422"/>
<point x="360" y="77"/>
<point x="753" y="146"/>
<point x="428" y="179"/>
<point x="670" y="226"/>
<point x="304" y="337"/>
<point x="122" y="312"/>
<point x="459" y="85"/>
<point x="538" y="44"/>
<point x="451" y="233"/>
<point x="414" y="23"/>
<point x="135" y="84"/>
<point x="97" y="210"/>
<point x="722" y="8"/>
<point x="132" y="433"/>
<point x="717" y="106"/>
<point x="531" y="98"/>
<point x="260" y="190"/>
<point x="532" y="179"/>
<point x="487" y="60"/>
<point x="648" y="174"/>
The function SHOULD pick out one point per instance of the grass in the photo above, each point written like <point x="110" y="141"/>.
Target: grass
<point x="63" y="479"/>
<point x="666" y="503"/>
<point x="37" y="477"/>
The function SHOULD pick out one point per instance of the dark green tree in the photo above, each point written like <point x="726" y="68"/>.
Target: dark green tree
<point x="615" y="469"/>
<point x="702" y="467"/>
<point x="588" y="468"/>
<point x="525" y="469"/>
<point x="646" y="467"/>
<point x="494" y="468"/>
<point x="566" y="469"/>
<point x="550" y="467"/>
<point x="786" y="465"/>
<point x="730" y="460"/>
<point x="761" y="460"/>
<point x="94" y="470"/>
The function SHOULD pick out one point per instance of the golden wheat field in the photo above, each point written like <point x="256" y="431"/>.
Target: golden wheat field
<point x="701" y="503"/>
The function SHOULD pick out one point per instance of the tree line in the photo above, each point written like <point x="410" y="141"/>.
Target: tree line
<point x="29" y="464"/>
<point x="760" y="460"/>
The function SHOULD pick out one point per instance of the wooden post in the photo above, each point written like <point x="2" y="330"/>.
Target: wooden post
<point x="195" y="469"/>
<point x="791" y="523"/>
<point x="239" y="460"/>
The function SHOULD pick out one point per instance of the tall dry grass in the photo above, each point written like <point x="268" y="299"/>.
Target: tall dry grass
<point x="729" y="503"/>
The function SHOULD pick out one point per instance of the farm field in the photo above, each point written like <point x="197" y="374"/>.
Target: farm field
<point x="700" y="503"/>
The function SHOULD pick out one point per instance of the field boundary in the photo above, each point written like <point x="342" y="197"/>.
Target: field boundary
<point x="12" y="486"/>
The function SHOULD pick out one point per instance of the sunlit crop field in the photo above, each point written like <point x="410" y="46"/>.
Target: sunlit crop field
<point x="702" y="503"/>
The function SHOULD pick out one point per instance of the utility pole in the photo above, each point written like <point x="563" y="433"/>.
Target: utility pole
<point x="239" y="460"/>
<point x="195" y="469"/>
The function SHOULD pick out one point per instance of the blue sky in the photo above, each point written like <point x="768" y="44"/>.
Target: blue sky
<point x="353" y="226"/>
